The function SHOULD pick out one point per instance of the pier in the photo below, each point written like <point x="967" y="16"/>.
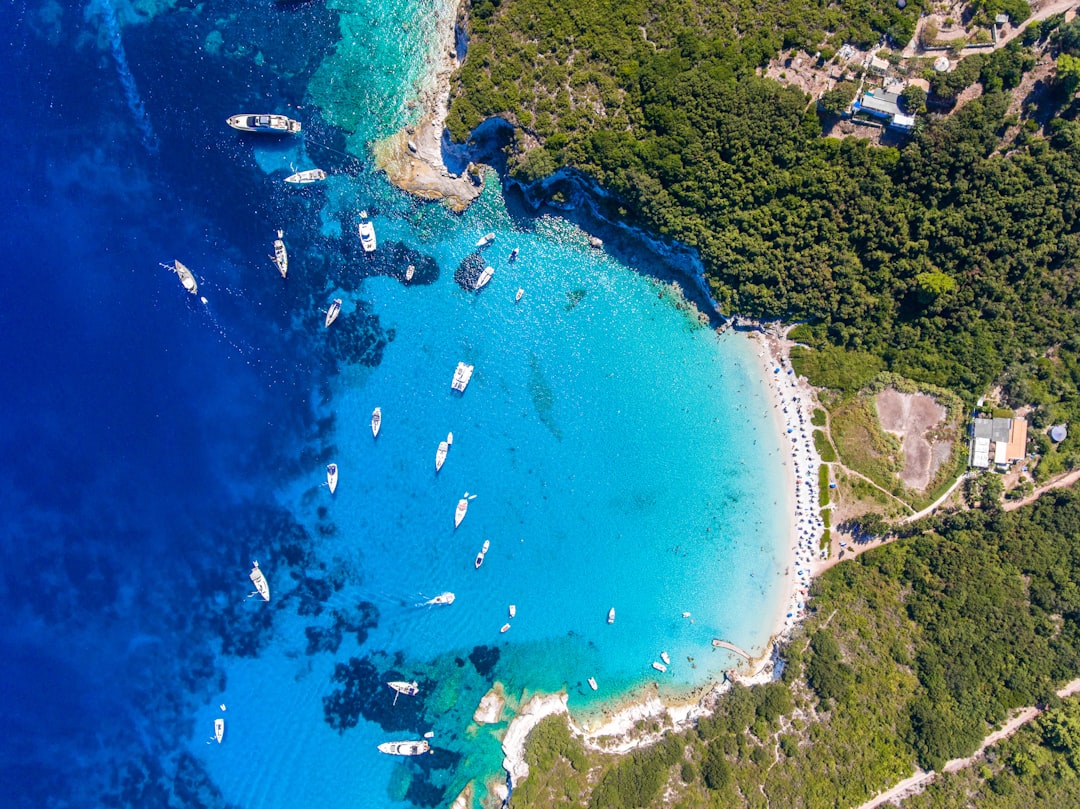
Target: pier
<point x="731" y="647"/>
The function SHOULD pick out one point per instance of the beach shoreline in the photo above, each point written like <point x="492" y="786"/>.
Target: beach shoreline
<point x="616" y="730"/>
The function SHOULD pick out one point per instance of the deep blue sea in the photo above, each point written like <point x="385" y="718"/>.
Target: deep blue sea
<point x="621" y="455"/>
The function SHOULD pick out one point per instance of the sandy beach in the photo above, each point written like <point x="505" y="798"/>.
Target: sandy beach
<point x="615" y="731"/>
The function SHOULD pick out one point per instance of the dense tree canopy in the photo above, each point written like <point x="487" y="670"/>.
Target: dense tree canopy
<point x="950" y="259"/>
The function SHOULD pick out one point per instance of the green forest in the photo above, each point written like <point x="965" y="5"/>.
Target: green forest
<point x="952" y="259"/>
<point x="915" y="650"/>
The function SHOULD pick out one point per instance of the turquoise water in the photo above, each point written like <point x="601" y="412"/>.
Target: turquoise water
<point x="621" y="455"/>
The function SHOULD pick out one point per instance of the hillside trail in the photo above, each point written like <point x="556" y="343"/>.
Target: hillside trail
<point x="914" y="47"/>
<point x="916" y="783"/>
<point x="1058" y="483"/>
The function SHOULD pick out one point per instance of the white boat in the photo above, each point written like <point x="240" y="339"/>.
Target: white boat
<point x="275" y="124"/>
<point x="485" y="240"/>
<point x="333" y="311"/>
<point x="410" y="271"/>
<point x="405" y="748"/>
<point x="305" y="177"/>
<point x="441" y="598"/>
<point x="485" y="276"/>
<point x="520" y="292"/>
<point x="592" y="683"/>
<point x="665" y="658"/>
<point x="462" y="507"/>
<point x="331" y="476"/>
<point x="513" y="254"/>
<point x="462" y="374"/>
<point x="281" y="255"/>
<point x="376" y="421"/>
<point x="440" y="454"/>
<point x="504" y="628"/>
<point x="367" y="233"/>
<point x="259" y="580"/>
<point x="513" y="610"/>
<point x="186" y="277"/>
<point x="611" y="616"/>
<point x="660" y="667"/>
<point x="483" y="552"/>
<point x="402" y="687"/>
<point x="219" y="729"/>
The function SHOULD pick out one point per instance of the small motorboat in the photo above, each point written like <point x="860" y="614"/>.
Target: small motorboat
<point x="333" y="311"/>
<point x="462" y="374"/>
<point x="273" y="124"/>
<point x="367" y="233"/>
<point x="462" y="507"/>
<point x="665" y="658"/>
<point x="219" y="729"/>
<point x="513" y="255"/>
<point x="186" y="277"/>
<point x="483" y="552"/>
<point x="513" y="610"/>
<point x="520" y="292"/>
<point x="660" y="667"/>
<point x="281" y="255"/>
<point x="440" y="453"/>
<point x="262" y="587"/>
<point x="376" y="421"/>
<point x="592" y="683"/>
<point x="485" y="240"/>
<point x="441" y="598"/>
<point x="306" y="177"/>
<point x="405" y="748"/>
<point x="504" y="627"/>
<point x="485" y="276"/>
<point x="331" y="476"/>
<point x="410" y="271"/>
<point x="611" y="616"/>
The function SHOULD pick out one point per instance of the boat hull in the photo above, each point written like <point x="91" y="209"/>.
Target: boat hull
<point x="267" y="124"/>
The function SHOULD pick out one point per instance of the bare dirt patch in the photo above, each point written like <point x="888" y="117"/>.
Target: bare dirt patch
<point x="913" y="418"/>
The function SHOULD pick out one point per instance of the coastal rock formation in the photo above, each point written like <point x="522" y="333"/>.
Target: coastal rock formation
<point x="412" y="158"/>
<point x="465" y="799"/>
<point x="527" y="718"/>
<point x="491" y="706"/>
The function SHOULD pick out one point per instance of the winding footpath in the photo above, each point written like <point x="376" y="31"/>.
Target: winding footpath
<point x="922" y="778"/>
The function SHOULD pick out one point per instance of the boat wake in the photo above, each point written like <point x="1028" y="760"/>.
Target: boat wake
<point x="127" y="80"/>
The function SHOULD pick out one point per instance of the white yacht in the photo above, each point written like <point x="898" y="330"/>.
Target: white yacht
<point x="410" y="271"/>
<point x="259" y="580"/>
<point x="592" y="683"/>
<point x="485" y="240"/>
<point x="665" y="658"/>
<point x="462" y="507"/>
<point x="441" y="598"/>
<point x="331" y="476"/>
<point x="186" y="277"/>
<point x="513" y="610"/>
<point x="517" y="297"/>
<point x="660" y="667"/>
<point x="367" y="233"/>
<point x="281" y="255"/>
<point x="462" y="374"/>
<point x="274" y="124"/>
<point x="611" y="616"/>
<point x="483" y="552"/>
<point x="402" y="687"/>
<point x="219" y="729"/>
<point x="333" y="312"/>
<point x="305" y="177"/>
<point x="484" y="277"/>
<point x="440" y="454"/>
<point x="376" y="421"/>
<point x="405" y="748"/>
